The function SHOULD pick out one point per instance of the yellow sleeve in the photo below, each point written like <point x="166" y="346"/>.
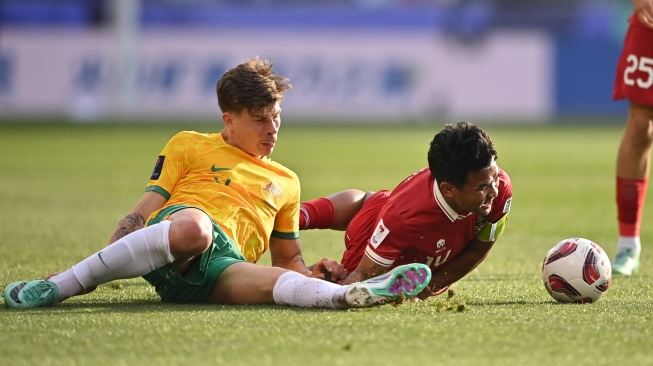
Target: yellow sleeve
<point x="286" y="225"/>
<point x="170" y="164"/>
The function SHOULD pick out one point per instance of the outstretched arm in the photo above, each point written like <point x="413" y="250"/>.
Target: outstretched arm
<point x="457" y="268"/>
<point x="286" y="253"/>
<point x="135" y="219"/>
<point x="367" y="268"/>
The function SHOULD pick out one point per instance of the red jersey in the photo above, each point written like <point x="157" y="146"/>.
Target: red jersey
<point x="414" y="224"/>
<point x="634" y="78"/>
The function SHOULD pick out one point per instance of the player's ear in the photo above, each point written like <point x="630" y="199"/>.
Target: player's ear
<point x="447" y="189"/>
<point x="228" y="120"/>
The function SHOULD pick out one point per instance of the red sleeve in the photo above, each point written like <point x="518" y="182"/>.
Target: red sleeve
<point x="391" y="235"/>
<point x="501" y="204"/>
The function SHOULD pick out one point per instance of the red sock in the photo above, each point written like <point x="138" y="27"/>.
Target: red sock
<point x="316" y="214"/>
<point x="631" y="194"/>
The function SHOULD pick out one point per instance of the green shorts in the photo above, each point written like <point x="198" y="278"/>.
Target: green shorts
<point x="196" y="284"/>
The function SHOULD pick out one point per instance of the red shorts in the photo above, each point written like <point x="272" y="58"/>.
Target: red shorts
<point x="360" y="229"/>
<point x="634" y="78"/>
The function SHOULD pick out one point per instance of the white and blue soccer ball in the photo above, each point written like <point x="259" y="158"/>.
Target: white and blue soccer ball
<point x="576" y="270"/>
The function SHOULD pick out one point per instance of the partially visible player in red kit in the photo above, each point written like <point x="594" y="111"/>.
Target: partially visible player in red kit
<point x="447" y="215"/>
<point x="634" y="81"/>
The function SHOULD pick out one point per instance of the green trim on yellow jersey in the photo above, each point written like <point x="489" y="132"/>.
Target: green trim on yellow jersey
<point x="158" y="190"/>
<point x="289" y="236"/>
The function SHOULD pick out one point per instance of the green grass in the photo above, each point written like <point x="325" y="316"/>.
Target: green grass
<point x="63" y="188"/>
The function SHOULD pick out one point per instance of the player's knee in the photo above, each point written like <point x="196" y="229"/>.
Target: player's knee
<point x="367" y="195"/>
<point x="189" y="238"/>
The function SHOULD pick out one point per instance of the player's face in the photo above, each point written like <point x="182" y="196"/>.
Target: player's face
<point x="476" y="196"/>
<point x="256" y="134"/>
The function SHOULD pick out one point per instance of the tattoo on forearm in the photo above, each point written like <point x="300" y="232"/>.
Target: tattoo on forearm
<point x="129" y="224"/>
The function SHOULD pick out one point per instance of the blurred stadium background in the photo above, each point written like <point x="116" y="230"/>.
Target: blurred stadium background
<point x="387" y="61"/>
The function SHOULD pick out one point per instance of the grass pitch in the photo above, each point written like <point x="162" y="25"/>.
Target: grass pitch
<point x="63" y="188"/>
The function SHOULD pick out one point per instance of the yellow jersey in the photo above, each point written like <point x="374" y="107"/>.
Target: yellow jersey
<point x="251" y="199"/>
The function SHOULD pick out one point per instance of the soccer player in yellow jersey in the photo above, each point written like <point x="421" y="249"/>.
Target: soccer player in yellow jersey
<point x="214" y="204"/>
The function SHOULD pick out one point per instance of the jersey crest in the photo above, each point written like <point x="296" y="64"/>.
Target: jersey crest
<point x="272" y="189"/>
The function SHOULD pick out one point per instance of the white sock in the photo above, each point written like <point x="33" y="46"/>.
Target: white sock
<point x="295" y="289"/>
<point x="631" y="242"/>
<point x="134" y="255"/>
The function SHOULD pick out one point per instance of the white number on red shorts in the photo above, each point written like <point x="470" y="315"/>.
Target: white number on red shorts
<point x="643" y="64"/>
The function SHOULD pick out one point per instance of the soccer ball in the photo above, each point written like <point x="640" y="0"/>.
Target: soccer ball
<point x="576" y="270"/>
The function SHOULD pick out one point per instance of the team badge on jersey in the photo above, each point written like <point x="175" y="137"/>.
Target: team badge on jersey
<point x="270" y="188"/>
<point x="379" y="234"/>
<point x="440" y="245"/>
<point x="158" y="167"/>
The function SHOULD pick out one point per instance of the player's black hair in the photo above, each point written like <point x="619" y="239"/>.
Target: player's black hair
<point x="460" y="149"/>
<point x="252" y="85"/>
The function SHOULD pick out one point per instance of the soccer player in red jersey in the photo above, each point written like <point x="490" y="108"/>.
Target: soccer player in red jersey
<point x="447" y="215"/>
<point x="634" y="81"/>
